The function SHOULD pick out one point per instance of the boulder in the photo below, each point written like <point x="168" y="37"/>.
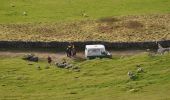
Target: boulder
<point x="131" y="75"/>
<point x="31" y="57"/>
<point x="34" y="59"/>
<point x="67" y="66"/>
<point x="28" y="56"/>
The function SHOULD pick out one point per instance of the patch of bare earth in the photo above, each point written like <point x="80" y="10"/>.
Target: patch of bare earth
<point x="114" y="29"/>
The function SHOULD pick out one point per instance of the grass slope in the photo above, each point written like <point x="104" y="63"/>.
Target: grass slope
<point x="98" y="79"/>
<point x="11" y="11"/>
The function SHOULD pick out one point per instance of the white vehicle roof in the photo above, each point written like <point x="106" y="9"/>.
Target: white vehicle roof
<point x="98" y="46"/>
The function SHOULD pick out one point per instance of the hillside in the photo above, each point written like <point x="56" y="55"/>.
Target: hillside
<point x="105" y="79"/>
<point x="21" y="11"/>
<point x="114" y="29"/>
<point x="84" y="20"/>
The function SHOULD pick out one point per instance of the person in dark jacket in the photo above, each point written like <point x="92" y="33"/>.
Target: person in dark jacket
<point x="68" y="51"/>
<point x="49" y="60"/>
<point x="73" y="50"/>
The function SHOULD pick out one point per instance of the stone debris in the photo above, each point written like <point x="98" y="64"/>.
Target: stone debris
<point x="140" y="70"/>
<point x="161" y="50"/>
<point x="68" y="66"/>
<point x="31" y="57"/>
<point x="131" y="75"/>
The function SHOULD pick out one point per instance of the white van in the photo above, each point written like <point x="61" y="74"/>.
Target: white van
<point x="93" y="51"/>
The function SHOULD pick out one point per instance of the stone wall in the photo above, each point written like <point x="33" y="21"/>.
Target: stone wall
<point x="81" y="45"/>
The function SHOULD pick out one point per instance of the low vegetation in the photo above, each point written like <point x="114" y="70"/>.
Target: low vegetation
<point x="97" y="79"/>
<point x="115" y="29"/>
<point x="84" y="20"/>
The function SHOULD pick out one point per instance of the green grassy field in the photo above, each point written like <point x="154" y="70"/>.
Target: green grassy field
<point x="85" y="20"/>
<point x="98" y="79"/>
<point x="11" y="11"/>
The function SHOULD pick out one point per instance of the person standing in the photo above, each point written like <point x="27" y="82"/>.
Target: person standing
<point x="73" y="50"/>
<point x="68" y="51"/>
<point x="49" y="60"/>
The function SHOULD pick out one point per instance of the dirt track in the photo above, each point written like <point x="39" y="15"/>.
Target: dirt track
<point x="59" y="55"/>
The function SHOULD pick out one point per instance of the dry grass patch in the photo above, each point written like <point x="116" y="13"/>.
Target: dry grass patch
<point x="114" y="29"/>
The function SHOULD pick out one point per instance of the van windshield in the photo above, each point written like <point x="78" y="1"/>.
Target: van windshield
<point x="94" y="51"/>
